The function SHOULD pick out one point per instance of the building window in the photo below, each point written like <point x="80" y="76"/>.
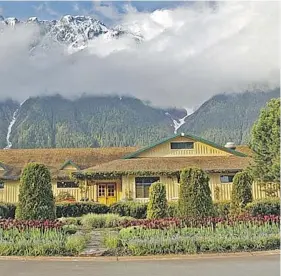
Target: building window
<point x="182" y="145"/>
<point x="143" y="184"/>
<point x="1" y="184"/>
<point x="226" y="178"/>
<point x="67" y="184"/>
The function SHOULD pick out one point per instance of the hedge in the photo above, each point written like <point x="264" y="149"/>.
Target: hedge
<point x="77" y="209"/>
<point x="7" y="210"/>
<point x="267" y="206"/>
<point x="133" y="209"/>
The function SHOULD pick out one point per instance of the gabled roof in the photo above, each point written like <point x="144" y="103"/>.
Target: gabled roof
<point x="158" y="165"/>
<point x="193" y="137"/>
<point x="69" y="162"/>
<point x="3" y="166"/>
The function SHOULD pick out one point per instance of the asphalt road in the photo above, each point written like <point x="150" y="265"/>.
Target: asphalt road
<point x="230" y="266"/>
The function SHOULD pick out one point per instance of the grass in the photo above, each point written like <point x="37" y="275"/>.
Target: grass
<point x="138" y="241"/>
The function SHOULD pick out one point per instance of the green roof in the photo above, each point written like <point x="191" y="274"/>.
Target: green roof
<point x="193" y="137"/>
<point x="69" y="162"/>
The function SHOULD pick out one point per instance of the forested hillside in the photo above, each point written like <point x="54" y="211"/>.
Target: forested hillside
<point x="99" y="121"/>
<point x="88" y="122"/>
<point x="7" y="109"/>
<point x="228" y="117"/>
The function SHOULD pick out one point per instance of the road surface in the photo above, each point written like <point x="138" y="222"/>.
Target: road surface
<point x="230" y="266"/>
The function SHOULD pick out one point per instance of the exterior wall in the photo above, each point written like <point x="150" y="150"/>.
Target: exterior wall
<point x="129" y="187"/>
<point x="172" y="188"/>
<point x="76" y="192"/>
<point x="92" y="188"/>
<point x="200" y="149"/>
<point x="69" y="168"/>
<point x="10" y="192"/>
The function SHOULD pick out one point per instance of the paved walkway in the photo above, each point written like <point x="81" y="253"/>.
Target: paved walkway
<point x="227" y="266"/>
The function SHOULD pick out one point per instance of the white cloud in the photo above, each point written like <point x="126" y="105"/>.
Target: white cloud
<point x="188" y="55"/>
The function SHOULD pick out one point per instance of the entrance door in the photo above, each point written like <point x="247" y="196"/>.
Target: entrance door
<point x="107" y="193"/>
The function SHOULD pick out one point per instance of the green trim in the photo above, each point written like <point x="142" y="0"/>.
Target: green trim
<point x="69" y="162"/>
<point x="193" y="137"/>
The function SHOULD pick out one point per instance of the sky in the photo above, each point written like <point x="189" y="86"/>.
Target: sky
<point x="190" y="51"/>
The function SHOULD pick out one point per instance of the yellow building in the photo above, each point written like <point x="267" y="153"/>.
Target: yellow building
<point x="107" y="175"/>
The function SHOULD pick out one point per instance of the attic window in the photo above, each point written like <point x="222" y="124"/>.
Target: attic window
<point x="226" y="178"/>
<point x="182" y="145"/>
<point x="67" y="184"/>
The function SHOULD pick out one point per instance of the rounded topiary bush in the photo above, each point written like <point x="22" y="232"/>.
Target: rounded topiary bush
<point x="157" y="205"/>
<point x="241" y="193"/>
<point x="36" y="199"/>
<point x="195" y="194"/>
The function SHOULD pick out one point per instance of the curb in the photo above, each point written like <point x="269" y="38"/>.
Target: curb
<point x="145" y="258"/>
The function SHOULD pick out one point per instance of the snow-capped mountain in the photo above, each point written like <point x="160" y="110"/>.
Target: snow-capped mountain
<point x="73" y="31"/>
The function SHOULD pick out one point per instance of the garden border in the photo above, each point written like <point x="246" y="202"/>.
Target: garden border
<point x="145" y="258"/>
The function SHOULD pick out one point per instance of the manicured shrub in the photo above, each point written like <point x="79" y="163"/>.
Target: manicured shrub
<point x="133" y="209"/>
<point x="241" y="192"/>
<point x="267" y="206"/>
<point x="77" y="209"/>
<point x="222" y="208"/>
<point x="157" y="205"/>
<point x="103" y="220"/>
<point x="172" y="210"/>
<point x="64" y="196"/>
<point x="194" y="194"/>
<point x="36" y="199"/>
<point x="7" y="210"/>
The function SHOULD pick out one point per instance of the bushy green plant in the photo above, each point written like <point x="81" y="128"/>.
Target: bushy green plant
<point x="77" y="209"/>
<point x="133" y="209"/>
<point x="102" y="221"/>
<point x="172" y="210"/>
<point x="70" y="228"/>
<point x="267" y="206"/>
<point x="194" y="194"/>
<point x="265" y="144"/>
<point x="222" y="208"/>
<point x="36" y="199"/>
<point x="76" y="243"/>
<point x="7" y="210"/>
<point x="157" y="205"/>
<point x="241" y="193"/>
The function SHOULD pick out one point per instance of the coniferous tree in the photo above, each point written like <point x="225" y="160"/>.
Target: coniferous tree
<point x="265" y="143"/>
<point x="194" y="194"/>
<point x="36" y="199"/>
<point x="157" y="205"/>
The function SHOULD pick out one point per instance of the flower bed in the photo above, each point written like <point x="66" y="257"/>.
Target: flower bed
<point x="27" y="224"/>
<point x="199" y="222"/>
<point x="38" y="238"/>
<point x="187" y="236"/>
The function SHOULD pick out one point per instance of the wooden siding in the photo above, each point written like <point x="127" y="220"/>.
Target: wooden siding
<point x="11" y="189"/>
<point x="200" y="149"/>
<point x="69" y="167"/>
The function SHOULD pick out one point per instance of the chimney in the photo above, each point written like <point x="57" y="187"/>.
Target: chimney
<point x="230" y="145"/>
